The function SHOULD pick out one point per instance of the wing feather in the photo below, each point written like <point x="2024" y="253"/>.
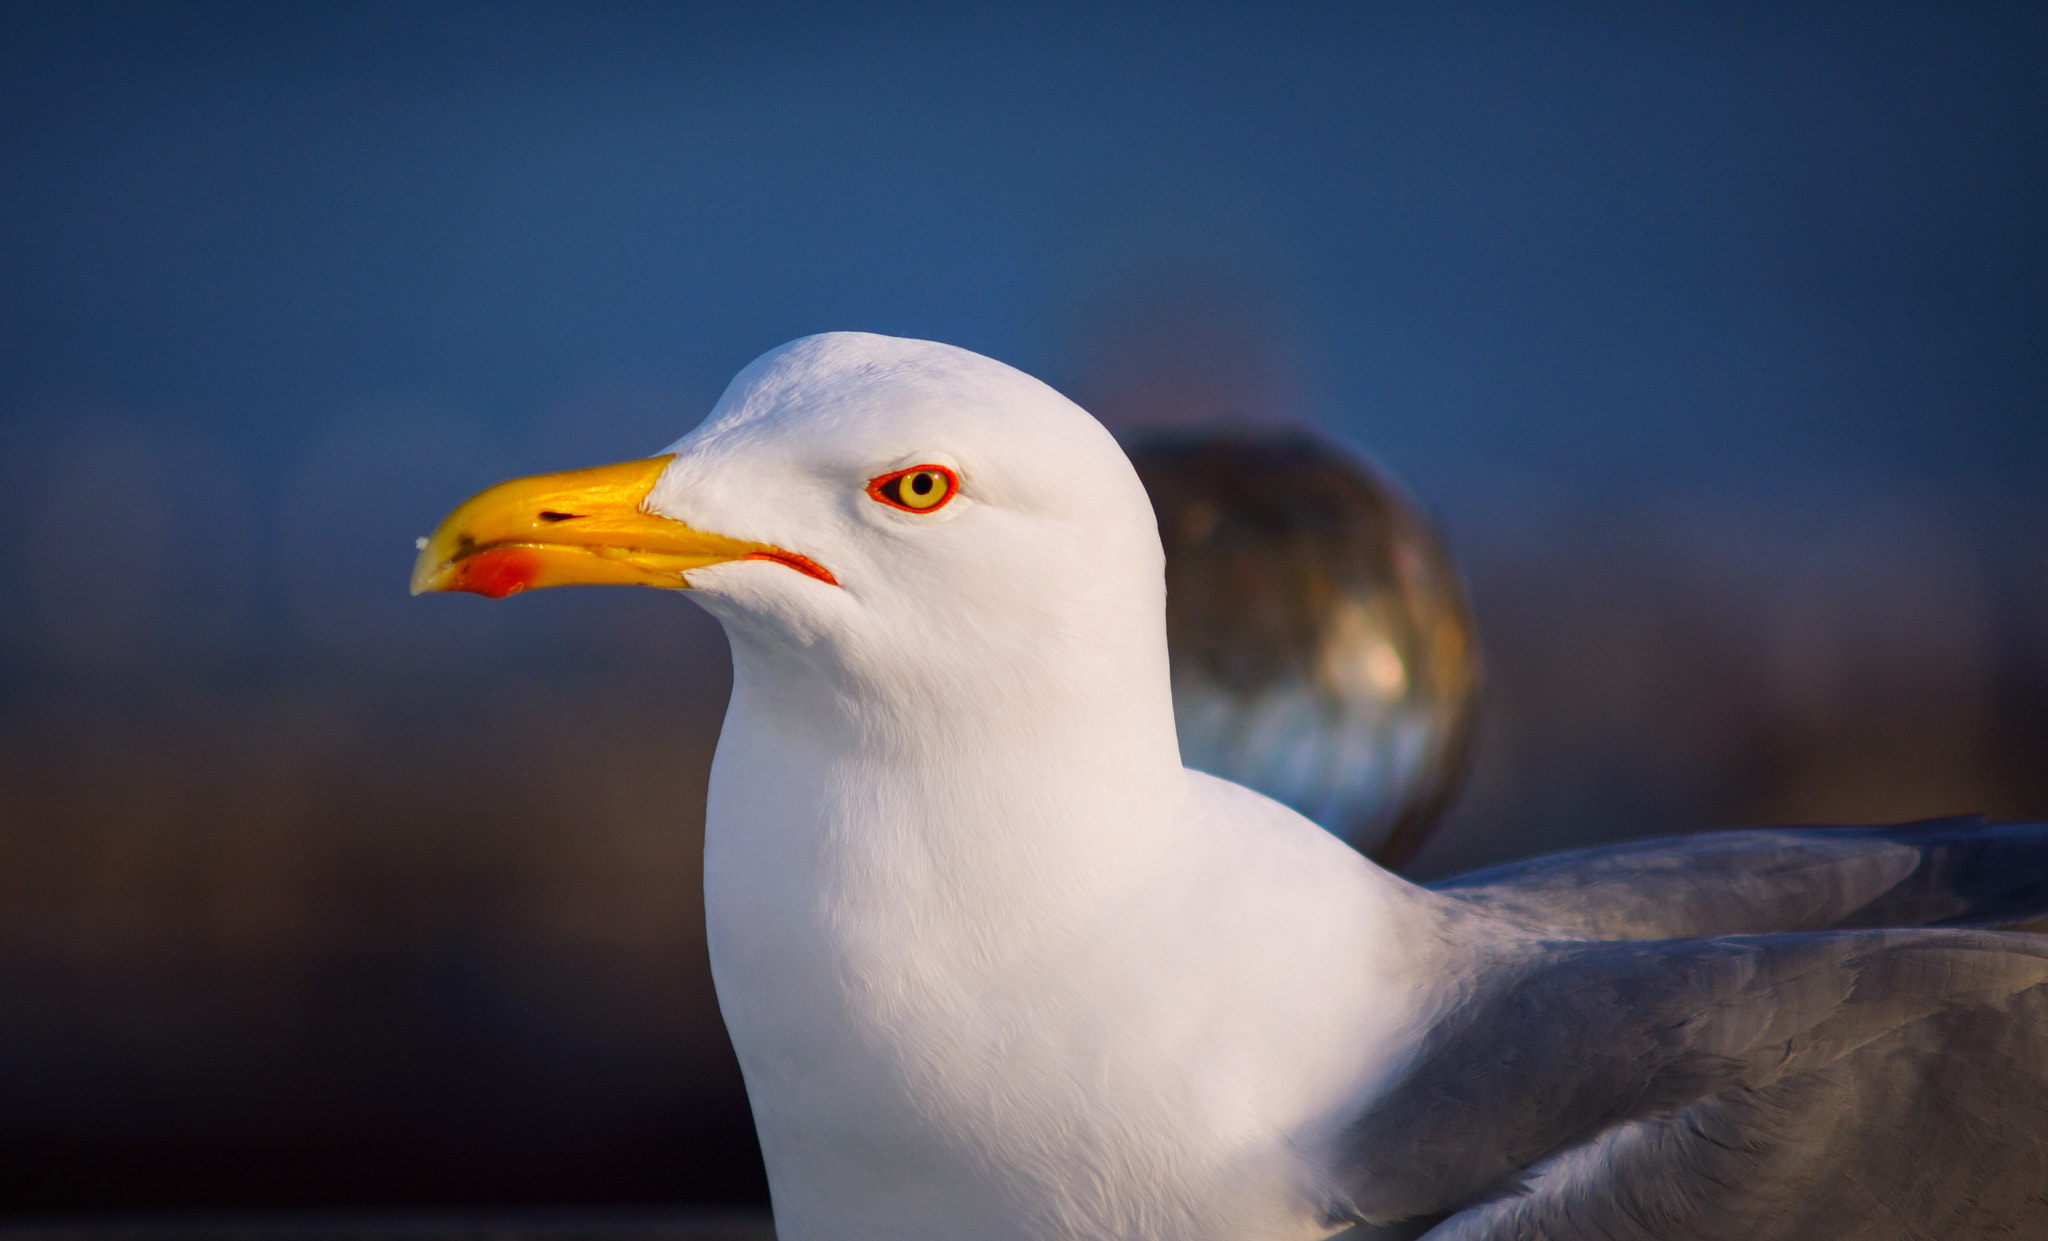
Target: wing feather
<point x="1563" y="1049"/>
<point x="1950" y="872"/>
<point x="1934" y="1131"/>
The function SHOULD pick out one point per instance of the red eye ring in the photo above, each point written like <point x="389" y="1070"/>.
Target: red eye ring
<point x="918" y="489"/>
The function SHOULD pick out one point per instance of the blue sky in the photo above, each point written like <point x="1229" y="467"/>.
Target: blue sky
<point x="378" y="255"/>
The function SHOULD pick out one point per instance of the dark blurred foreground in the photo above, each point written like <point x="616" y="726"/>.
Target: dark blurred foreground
<point x="727" y="1224"/>
<point x="362" y="941"/>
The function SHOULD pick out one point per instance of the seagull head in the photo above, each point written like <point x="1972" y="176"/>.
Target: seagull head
<point x="891" y="522"/>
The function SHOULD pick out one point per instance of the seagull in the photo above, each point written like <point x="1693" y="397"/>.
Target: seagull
<point x="997" y="966"/>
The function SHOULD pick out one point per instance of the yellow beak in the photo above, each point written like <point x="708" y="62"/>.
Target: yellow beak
<point x="582" y="528"/>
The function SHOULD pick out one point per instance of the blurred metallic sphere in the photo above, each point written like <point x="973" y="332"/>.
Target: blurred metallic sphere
<point x="1322" y="646"/>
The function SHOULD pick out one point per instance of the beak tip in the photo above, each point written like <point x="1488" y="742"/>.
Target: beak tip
<point x="426" y="573"/>
<point x="494" y="573"/>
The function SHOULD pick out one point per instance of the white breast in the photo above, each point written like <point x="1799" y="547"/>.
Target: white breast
<point x="998" y="1043"/>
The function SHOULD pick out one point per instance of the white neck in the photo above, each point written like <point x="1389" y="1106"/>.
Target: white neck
<point x="1038" y="787"/>
<point x="940" y="927"/>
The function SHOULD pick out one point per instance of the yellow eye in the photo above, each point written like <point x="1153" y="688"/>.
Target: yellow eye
<point x="919" y="489"/>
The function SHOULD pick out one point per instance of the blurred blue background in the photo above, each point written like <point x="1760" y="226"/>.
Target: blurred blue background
<point x="1715" y="335"/>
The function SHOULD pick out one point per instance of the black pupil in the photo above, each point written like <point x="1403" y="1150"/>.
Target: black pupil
<point x="922" y="484"/>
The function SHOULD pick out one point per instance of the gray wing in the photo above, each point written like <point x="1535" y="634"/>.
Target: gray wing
<point x="1935" y="1131"/>
<point x="1947" y="872"/>
<point x="1569" y="1049"/>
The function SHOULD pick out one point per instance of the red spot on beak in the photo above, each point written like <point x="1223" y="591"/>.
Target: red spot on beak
<point x="496" y="573"/>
